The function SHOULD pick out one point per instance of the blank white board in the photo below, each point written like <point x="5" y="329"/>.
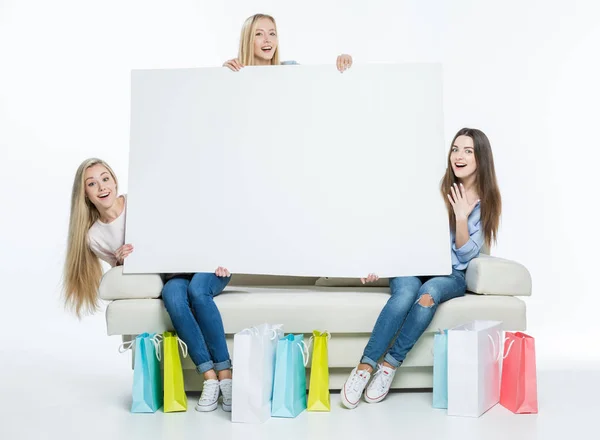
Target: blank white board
<point x="288" y="170"/>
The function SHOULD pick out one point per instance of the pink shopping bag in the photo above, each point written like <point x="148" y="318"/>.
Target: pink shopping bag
<point x="518" y="389"/>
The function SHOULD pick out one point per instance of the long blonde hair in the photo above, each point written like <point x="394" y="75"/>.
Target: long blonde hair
<point x="82" y="271"/>
<point x="246" y="52"/>
<point x="485" y="183"/>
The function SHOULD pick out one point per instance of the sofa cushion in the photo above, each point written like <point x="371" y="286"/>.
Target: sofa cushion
<point x="239" y="279"/>
<point x="116" y="285"/>
<point x="498" y="276"/>
<point x="485" y="275"/>
<point x="350" y="282"/>
<point x="302" y="310"/>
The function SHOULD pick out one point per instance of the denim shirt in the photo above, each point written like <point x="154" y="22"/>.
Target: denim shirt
<point x="470" y="250"/>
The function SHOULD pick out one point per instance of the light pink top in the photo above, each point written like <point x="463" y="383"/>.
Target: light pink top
<point x="105" y="238"/>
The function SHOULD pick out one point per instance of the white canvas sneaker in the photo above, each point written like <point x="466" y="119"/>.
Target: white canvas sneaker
<point x="210" y="396"/>
<point x="380" y="385"/>
<point x="354" y="387"/>
<point x="225" y="386"/>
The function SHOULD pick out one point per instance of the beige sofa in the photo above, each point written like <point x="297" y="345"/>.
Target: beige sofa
<point x="342" y="306"/>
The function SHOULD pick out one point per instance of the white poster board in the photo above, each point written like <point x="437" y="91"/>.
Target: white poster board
<point x="288" y="170"/>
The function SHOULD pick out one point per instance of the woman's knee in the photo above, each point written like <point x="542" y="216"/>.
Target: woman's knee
<point x="203" y="287"/>
<point x="404" y="285"/>
<point x="174" y="293"/>
<point x="426" y="300"/>
<point x="431" y="294"/>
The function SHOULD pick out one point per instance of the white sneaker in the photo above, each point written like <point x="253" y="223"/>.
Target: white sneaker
<point x="354" y="387"/>
<point x="210" y="396"/>
<point x="380" y="385"/>
<point x="225" y="386"/>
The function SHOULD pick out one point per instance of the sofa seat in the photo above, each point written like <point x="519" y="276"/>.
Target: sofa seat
<point x="349" y="314"/>
<point x="301" y="304"/>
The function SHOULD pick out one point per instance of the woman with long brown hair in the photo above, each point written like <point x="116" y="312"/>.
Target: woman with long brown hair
<point x="259" y="46"/>
<point x="474" y="206"/>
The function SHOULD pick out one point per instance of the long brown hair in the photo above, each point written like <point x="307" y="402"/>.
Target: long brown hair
<point x="82" y="271"/>
<point x="485" y="184"/>
<point x="246" y="52"/>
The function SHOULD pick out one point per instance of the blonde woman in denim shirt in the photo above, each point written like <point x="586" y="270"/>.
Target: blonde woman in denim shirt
<point x="259" y="46"/>
<point x="474" y="205"/>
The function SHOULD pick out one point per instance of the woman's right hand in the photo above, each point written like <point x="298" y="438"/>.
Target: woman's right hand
<point x="370" y="279"/>
<point x="122" y="253"/>
<point x="222" y="272"/>
<point x="233" y="64"/>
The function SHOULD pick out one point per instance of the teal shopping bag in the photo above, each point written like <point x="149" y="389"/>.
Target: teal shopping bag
<point x="440" y="370"/>
<point x="147" y="386"/>
<point x="289" y="385"/>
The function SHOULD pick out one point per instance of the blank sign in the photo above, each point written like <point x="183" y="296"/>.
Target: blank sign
<point x="288" y="170"/>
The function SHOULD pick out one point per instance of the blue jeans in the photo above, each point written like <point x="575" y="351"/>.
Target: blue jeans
<point x="405" y="318"/>
<point x="189" y="300"/>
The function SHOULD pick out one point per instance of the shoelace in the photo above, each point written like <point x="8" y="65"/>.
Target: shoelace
<point x="381" y="379"/>
<point x="357" y="380"/>
<point x="210" y="392"/>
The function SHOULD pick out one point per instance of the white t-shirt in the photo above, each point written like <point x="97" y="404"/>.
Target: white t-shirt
<point x="105" y="238"/>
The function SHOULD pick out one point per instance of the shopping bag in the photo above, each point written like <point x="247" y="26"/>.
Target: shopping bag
<point x="146" y="393"/>
<point x="254" y="364"/>
<point x="474" y="352"/>
<point x="440" y="369"/>
<point x="318" y="389"/>
<point x="289" y="386"/>
<point x="175" y="398"/>
<point x="518" y="389"/>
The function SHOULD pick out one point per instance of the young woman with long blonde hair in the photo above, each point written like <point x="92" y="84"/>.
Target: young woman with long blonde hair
<point x="259" y="46"/>
<point x="97" y="232"/>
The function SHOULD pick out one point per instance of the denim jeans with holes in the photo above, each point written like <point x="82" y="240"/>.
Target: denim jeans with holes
<point x="189" y="300"/>
<point x="403" y="319"/>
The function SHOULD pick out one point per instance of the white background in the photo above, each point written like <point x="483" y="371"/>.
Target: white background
<point x="212" y="183"/>
<point x="525" y="72"/>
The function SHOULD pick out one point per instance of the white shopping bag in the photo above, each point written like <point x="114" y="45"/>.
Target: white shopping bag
<point x="253" y="369"/>
<point x="474" y="352"/>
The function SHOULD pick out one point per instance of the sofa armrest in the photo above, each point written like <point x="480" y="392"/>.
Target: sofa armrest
<point x="497" y="276"/>
<point x="116" y="285"/>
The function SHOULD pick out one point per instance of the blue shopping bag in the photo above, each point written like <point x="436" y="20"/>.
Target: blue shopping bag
<point x="147" y="386"/>
<point x="289" y="385"/>
<point x="440" y="369"/>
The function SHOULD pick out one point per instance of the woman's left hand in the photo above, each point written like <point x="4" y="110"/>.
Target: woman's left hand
<point x="458" y="200"/>
<point x="344" y="62"/>
<point x="370" y="279"/>
<point x="122" y="253"/>
<point x="222" y="272"/>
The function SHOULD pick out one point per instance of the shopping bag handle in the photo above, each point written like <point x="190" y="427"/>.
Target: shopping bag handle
<point x="251" y="330"/>
<point x="304" y="350"/>
<point x="126" y="346"/>
<point x="509" y="347"/>
<point x="326" y="332"/>
<point x="156" y="340"/>
<point x="499" y="355"/>
<point x="274" y="330"/>
<point x="184" y="347"/>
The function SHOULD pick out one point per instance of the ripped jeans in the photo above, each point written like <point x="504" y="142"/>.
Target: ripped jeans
<point x="404" y="319"/>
